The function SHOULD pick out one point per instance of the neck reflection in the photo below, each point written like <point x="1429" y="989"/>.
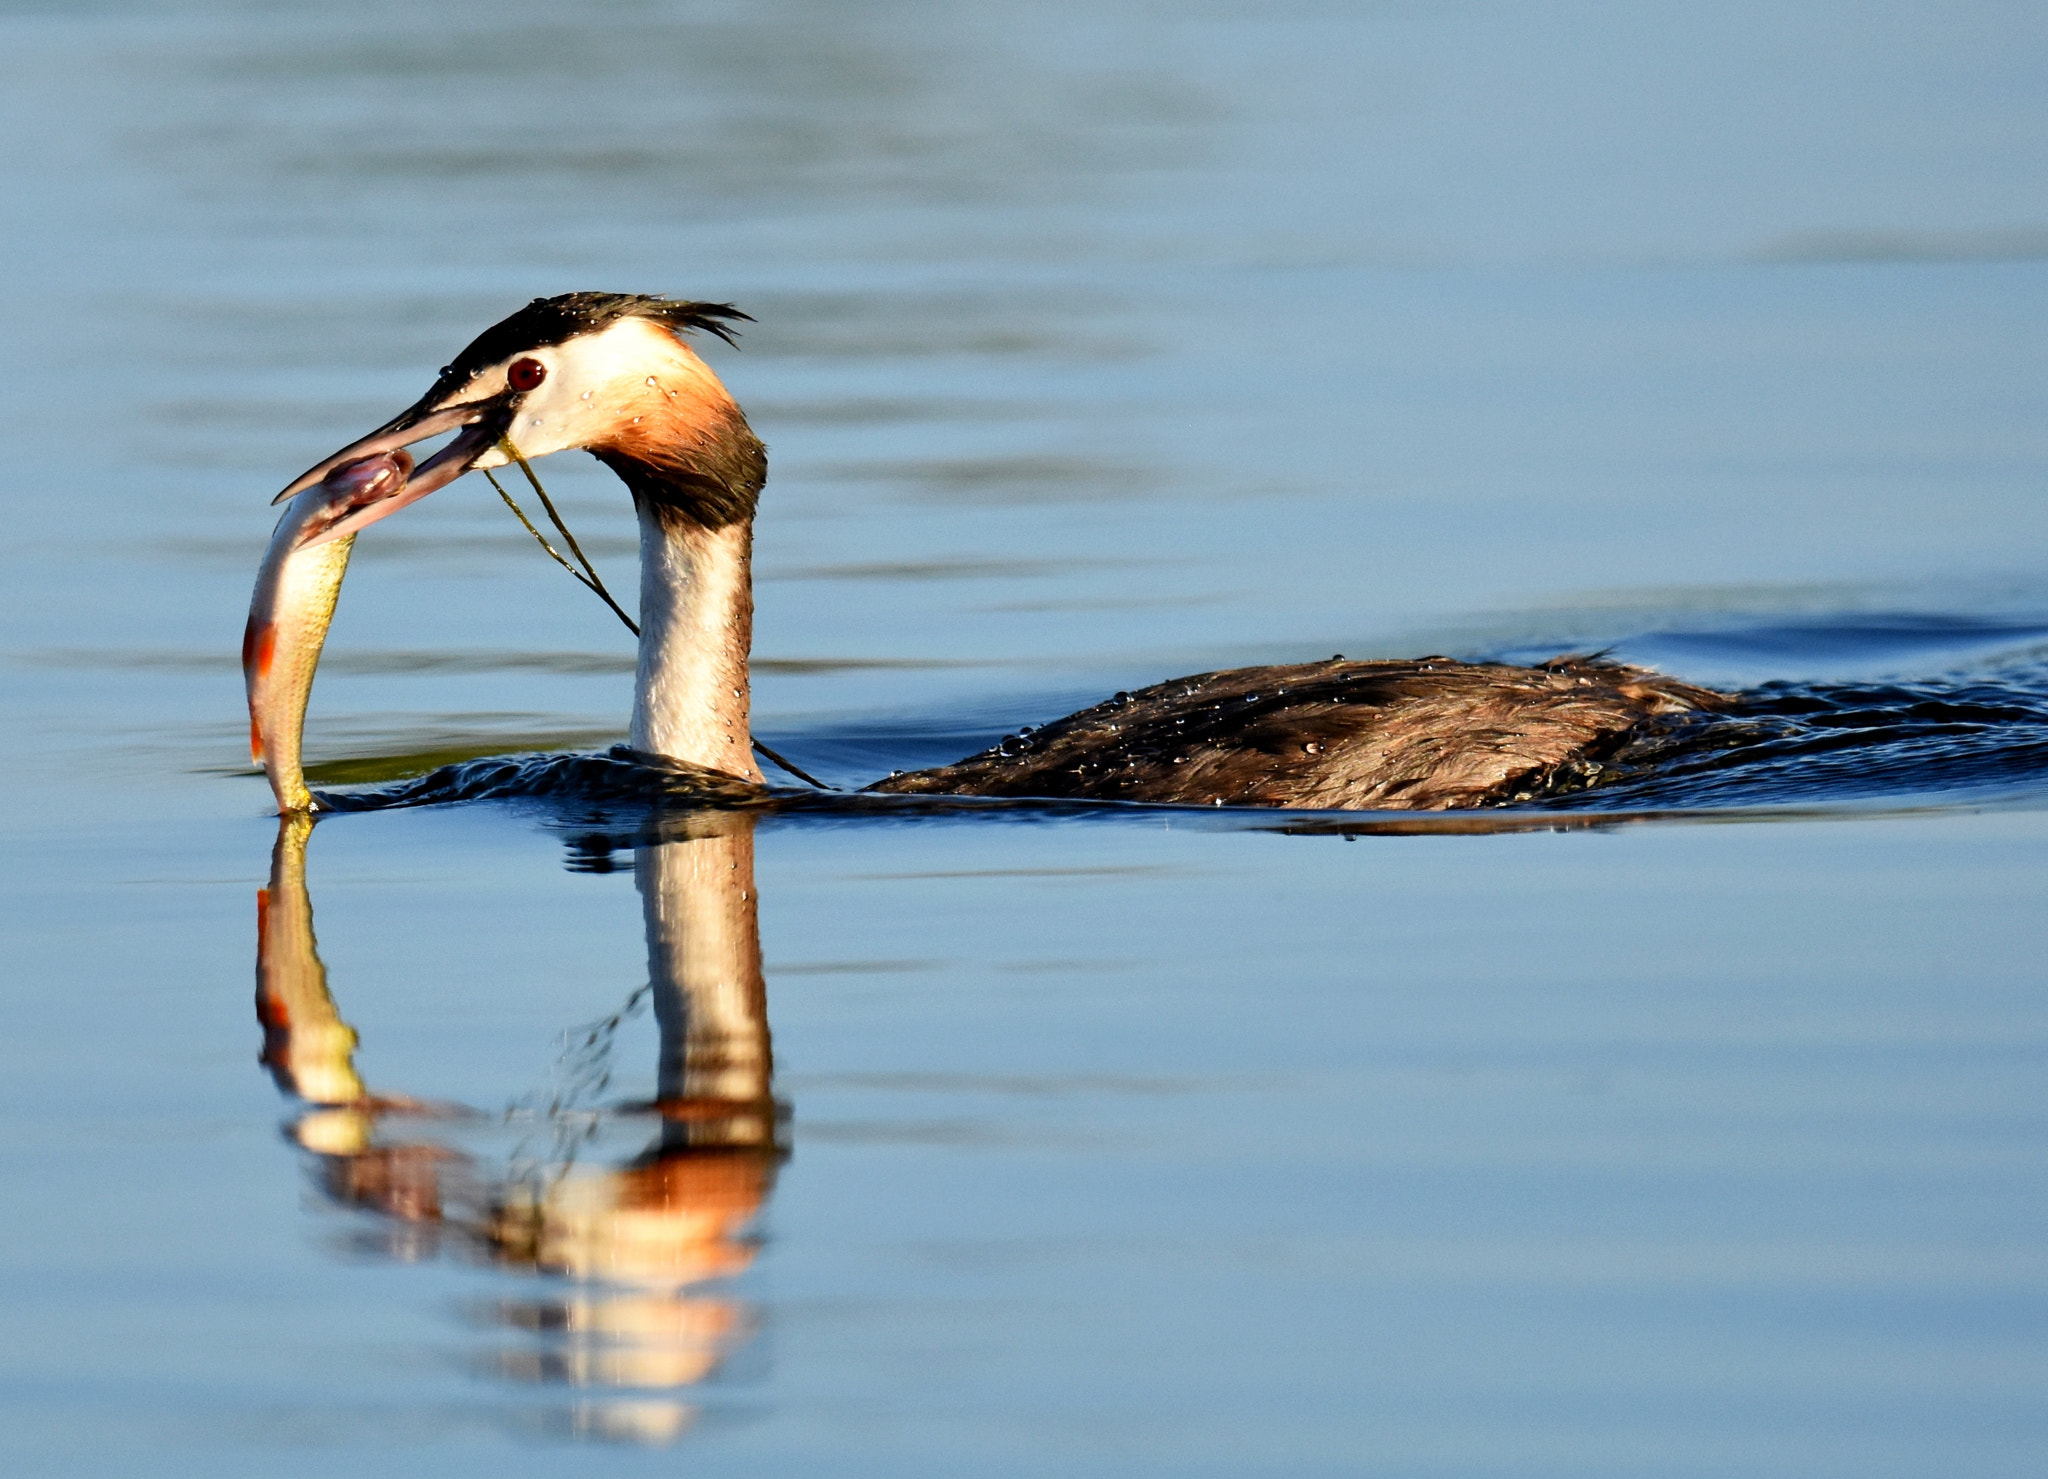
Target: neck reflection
<point x="637" y="1240"/>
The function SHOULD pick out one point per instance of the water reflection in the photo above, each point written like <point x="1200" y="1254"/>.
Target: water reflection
<point x="635" y="1251"/>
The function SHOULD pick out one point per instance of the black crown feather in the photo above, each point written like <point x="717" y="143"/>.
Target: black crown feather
<point x="557" y="320"/>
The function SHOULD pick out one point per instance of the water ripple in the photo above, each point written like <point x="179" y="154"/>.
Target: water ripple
<point x="1965" y="739"/>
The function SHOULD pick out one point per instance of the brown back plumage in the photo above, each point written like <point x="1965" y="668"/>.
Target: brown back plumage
<point x="1423" y="735"/>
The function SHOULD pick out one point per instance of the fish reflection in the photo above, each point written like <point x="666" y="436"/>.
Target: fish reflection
<point x="630" y="1322"/>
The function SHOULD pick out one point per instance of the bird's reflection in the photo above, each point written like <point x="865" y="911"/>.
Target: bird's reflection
<point x="634" y="1314"/>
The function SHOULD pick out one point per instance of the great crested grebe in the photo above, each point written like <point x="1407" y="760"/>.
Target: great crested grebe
<point x="610" y="373"/>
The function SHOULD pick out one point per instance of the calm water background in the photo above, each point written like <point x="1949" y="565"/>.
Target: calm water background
<point x="1096" y="343"/>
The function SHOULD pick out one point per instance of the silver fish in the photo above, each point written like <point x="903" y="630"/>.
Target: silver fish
<point x="293" y="606"/>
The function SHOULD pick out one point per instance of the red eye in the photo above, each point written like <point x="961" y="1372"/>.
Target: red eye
<point x="526" y="373"/>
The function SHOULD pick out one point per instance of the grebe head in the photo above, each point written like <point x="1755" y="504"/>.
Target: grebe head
<point x="606" y="372"/>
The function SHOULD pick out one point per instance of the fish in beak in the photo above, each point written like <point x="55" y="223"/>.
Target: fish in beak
<point x="300" y="579"/>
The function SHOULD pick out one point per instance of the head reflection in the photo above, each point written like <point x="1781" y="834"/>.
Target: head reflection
<point x="632" y="1244"/>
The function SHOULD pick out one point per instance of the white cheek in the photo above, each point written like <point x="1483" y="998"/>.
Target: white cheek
<point x="592" y="385"/>
<point x="548" y="423"/>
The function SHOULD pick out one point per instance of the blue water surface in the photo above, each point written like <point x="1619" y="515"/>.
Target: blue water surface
<point x="1693" y="1127"/>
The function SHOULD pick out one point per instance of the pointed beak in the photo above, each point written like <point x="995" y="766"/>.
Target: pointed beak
<point x="328" y="508"/>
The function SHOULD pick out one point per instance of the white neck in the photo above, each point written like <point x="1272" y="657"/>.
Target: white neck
<point x="696" y="625"/>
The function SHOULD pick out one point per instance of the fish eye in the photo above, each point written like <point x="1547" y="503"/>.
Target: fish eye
<point x="524" y="374"/>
